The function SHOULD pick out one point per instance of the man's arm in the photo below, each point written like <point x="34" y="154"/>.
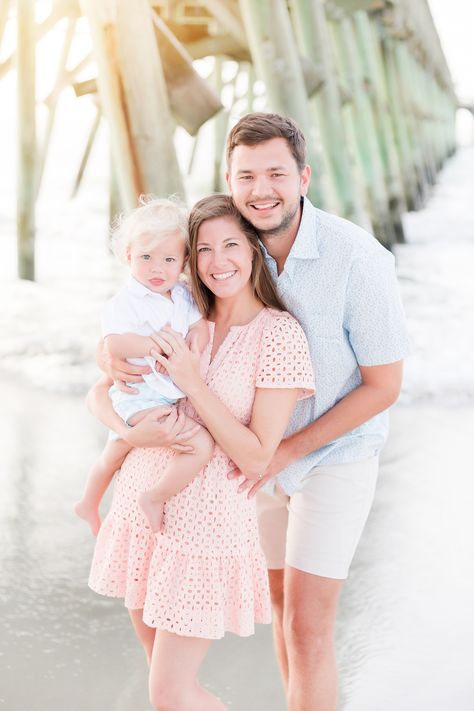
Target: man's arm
<point x="379" y="389"/>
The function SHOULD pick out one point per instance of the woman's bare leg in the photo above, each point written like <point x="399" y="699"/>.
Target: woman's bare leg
<point x="145" y="634"/>
<point x="178" y="474"/>
<point x="174" y="685"/>
<point x="276" y="580"/>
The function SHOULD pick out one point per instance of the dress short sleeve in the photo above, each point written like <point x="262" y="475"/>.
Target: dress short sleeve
<point x="284" y="360"/>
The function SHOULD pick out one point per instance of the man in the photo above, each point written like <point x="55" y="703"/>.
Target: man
<point x="340" y="284"/>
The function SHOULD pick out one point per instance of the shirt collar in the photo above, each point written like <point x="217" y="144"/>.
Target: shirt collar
<point x="305" y="245"/>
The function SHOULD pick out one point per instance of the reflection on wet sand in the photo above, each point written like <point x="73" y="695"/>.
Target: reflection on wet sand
<point x="405" y="610"/>
<point x="62" y="645"/>
<point x="405" y="626"/>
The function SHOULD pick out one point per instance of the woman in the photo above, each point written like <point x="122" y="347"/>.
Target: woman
<point x="205" y="573"/>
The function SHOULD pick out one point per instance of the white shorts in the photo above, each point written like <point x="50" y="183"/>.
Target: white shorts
<point x="317" y="530"/>
<point x="126" y="405"/>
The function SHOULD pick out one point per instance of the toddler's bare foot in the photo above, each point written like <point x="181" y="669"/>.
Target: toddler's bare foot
<point x="153" y="510"/>
<point x="90" y="514"/>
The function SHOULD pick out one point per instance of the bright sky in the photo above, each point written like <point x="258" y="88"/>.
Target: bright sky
<point x="454" y="20"/>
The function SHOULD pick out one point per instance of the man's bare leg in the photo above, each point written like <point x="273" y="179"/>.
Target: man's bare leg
<point x="310" y="606"/>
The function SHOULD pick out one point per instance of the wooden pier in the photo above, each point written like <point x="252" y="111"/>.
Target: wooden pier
<point x="366" y="80"/>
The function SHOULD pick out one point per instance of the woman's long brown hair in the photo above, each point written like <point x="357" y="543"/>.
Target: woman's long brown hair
<point x="221" y="205"/>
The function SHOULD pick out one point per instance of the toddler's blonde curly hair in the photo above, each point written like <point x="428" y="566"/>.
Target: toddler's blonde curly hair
<point x="154" y="217"/>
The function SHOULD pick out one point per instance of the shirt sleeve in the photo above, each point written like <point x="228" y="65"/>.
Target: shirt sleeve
<point x="193" y="313"/>
<point x="374" y="317"/>
<point x="117" y="317"/>
<point x="284" y="360"/>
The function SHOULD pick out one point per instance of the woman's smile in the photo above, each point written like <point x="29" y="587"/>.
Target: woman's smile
<point x="224" y="275"/>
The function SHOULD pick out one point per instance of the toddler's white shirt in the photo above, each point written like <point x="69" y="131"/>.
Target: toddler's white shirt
<point x="136" y="309"/>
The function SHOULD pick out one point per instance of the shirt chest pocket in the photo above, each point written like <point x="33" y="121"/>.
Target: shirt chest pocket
<point x="318" y="312"/>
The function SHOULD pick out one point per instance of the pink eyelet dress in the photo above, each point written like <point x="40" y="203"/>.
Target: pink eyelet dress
<point x="205" y="573"/>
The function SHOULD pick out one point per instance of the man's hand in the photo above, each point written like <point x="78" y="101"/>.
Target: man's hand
<point x="164" y="430"/>
<point x="282" y="457"/>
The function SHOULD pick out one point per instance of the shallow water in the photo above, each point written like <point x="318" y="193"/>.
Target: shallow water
<point x="405" y="628"/>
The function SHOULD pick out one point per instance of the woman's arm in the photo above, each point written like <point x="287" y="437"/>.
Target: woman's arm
<point x="252" y="447"/>
<point x="100" y="406"/>
<point x="166" y="429"/>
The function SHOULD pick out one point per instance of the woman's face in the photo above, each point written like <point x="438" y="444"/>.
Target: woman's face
<point x="224" y="257"/>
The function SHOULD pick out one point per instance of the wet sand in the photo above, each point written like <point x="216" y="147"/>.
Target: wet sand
<point x="405" y="626"/>
<point x="62" y="646"/>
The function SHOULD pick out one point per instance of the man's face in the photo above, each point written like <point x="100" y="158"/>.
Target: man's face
<point x="266" y="186"/>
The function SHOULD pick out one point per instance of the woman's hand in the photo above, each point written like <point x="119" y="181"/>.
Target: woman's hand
<point x="281" y="459"/>
<point x="166" y="429"/>
<point x="182" y="364"/>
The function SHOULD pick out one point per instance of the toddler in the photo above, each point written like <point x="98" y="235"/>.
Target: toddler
<point x="153" y="241"/>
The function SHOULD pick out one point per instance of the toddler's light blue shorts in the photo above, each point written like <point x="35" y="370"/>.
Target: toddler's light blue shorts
<point x="126" y="405"/>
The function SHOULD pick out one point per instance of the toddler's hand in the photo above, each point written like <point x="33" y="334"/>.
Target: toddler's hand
<point x="193" y="341"/>
<point x="198" y="336"/>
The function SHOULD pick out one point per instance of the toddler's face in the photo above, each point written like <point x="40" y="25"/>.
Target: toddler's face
<point x="157" y="264"/>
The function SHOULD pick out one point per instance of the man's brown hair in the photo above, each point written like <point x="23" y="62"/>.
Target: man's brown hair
<point x="221" y="205"/>
<point x="259" y="127"/>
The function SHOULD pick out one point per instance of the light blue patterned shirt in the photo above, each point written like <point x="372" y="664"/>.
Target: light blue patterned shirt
<point x="340" y="283"/>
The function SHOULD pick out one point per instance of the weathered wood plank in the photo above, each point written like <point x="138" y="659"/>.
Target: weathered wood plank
<point x="313" y="37"/>
<point x="101" y="21"/>
<point x="145" y="97"/>
<point x="27" y="164"/>
<point x="275" y="57"/>
<point x="192" y="100"/>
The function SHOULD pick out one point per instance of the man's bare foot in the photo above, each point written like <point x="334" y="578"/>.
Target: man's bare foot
<point x="89" y="514"/>
<point x="153" y="510"/>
